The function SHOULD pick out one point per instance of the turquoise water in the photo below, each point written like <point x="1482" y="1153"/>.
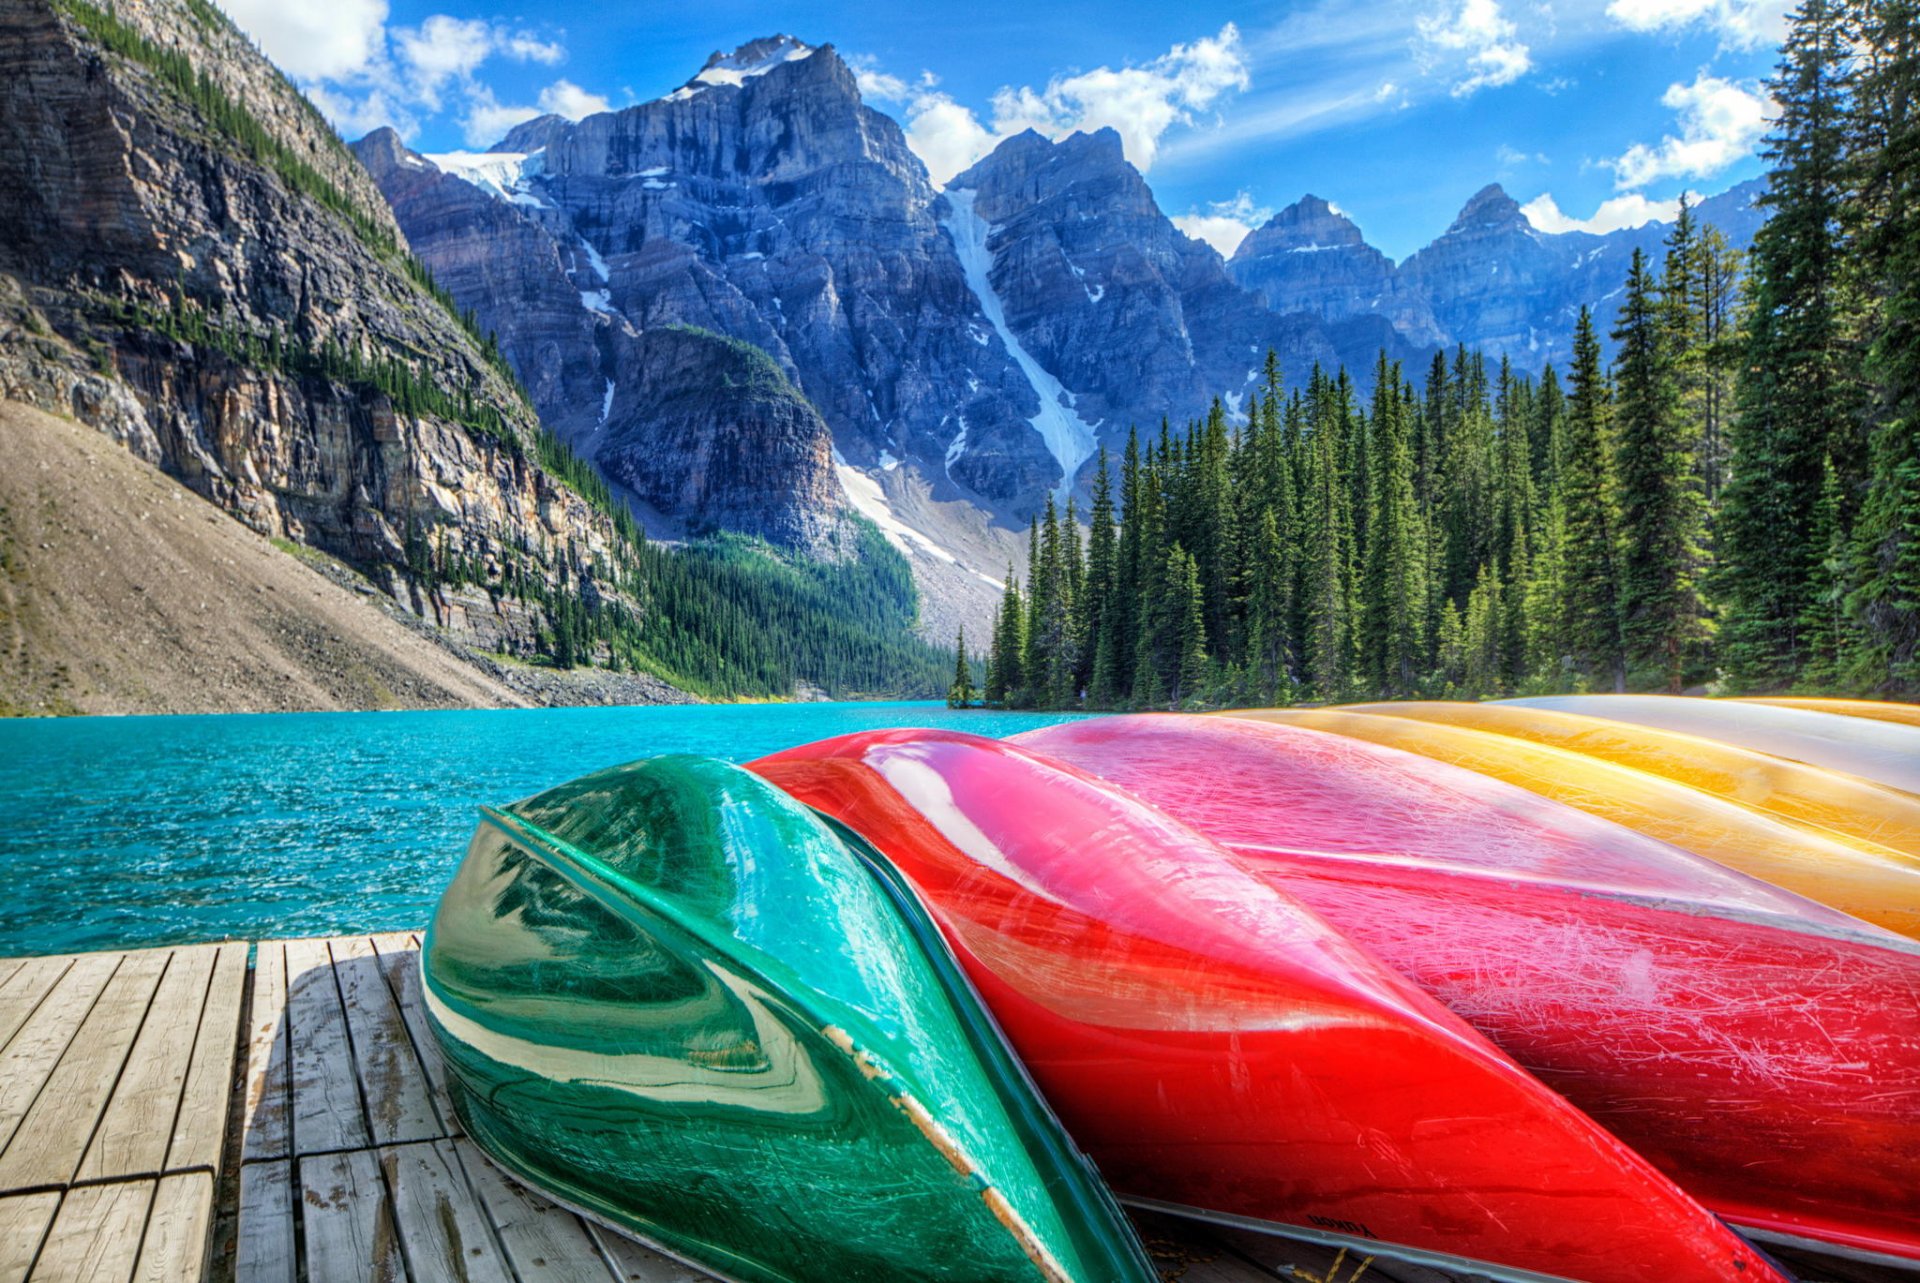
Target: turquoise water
<point x="117" y="832"/>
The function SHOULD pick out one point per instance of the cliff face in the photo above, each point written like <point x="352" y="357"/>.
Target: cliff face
<point x="197" y="267"/>
<point x="1491" y="281"/>
<point x="715" y="452"/>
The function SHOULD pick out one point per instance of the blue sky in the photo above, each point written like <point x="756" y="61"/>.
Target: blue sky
<point x="1596" y="112"/>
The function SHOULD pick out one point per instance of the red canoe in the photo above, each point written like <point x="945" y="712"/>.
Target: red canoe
<point x="1214" y="1045"/>
<point x="1762" y="1050"/>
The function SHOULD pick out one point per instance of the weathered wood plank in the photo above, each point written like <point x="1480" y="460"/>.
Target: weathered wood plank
<point x="24" y="1219"/>
<point x="545" y="1243"/>
<point x="266" y="1125"/>
<point x="327" y="1113"/>
<point x="199" y="1128"/>
<point x="400" y="960"/>
<point x="1292" y="1258"/>
<point x="263" y="1250"/>
<point x="8" y="966"/>
<point x="96" y="1235"/>
<point x="447" y="1236"/>
<point x="138" y="1122"/>
<point x="349" y="1223"/>
<point x="22" y="991"/>
<point x="175" y="1248"/>
<point x="41" y="1039"/>
<point x="399" y="1105"/>
<point x="637" y="1263"/>
<point x="47" y="1145"/>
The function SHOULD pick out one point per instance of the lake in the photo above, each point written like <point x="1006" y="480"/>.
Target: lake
<point x="117" y="832"/>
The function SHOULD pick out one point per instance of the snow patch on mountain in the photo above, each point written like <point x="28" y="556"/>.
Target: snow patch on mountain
<point x="1068" y="437"/>
<point x="504" y="175"/>
<point x="749" y="60"/>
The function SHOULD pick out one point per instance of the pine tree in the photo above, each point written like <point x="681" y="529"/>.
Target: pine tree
<point x="1096" y="602"/>
<point x="961" y="693"/>
<point x="1186" y="614"/>
<point x="1590" y="626"/>
<point x="1660" y="608"/>
<point x="1267" y="591"/>
<point x="1393" y="592"/>
<point x="1794" y="401"/>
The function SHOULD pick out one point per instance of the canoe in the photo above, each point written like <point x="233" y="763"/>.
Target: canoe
<point x="1877" y="709"/>
<point x="673" y="998"/>
<point x="1220" y="1050"/>
<point x="1762" y="1050"/>
<point x="1884" y="752"/>
<point x="1870" y="816"/>
<point x="1870" y="882"/>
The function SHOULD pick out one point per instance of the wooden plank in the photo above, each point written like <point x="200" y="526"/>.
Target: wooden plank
<point x="1293" y="1258"/>
<point x="175" y="1248"/>
<point x="263" y="1249"/>
<point x="200" y="1127"/>
<point x="8" y="966"/>
<point x="96" y="1235"/>
<point x="399" y="1107"/>
<point x="635" y="1262"/>
<point x="266" y="1124"/>
<point x="349" y="1223"/>
<point x="47" y="1145"/>
<point x="327" y="1113"/>
<point x="22" y="991"/>
<point x="37" y="1046"/>
<point x="544" y="1243"/>
<point x="400" y="960"/>
<point x="138" y="1122"/>
<point x="447" y="1236"/>
<point x="24" y="1219"/>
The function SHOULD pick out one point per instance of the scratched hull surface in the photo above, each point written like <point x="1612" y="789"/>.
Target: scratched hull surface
<point x="1215" y="1045"/>
<point x="1854" y="810"/>
<point x="1871" y="882"/>
<point x="1874" y="709"/>
<point x="1884" y="752"/>
<point x="1767" y="1057"/>
<point x="671" y="996"/>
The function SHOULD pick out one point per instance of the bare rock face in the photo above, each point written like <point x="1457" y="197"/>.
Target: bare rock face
<point x="765" y="202"/>
<point x="1492" y="281"/>
<point x="1311" y="258"/>
<point x="209" y="277"/>
<point x="1135" y="319"/>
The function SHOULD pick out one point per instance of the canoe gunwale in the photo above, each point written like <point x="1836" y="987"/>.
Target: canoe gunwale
<point x="1060" y="1166"/>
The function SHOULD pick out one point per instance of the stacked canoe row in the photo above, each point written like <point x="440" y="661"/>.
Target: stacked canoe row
<point x="1614" y="989"/>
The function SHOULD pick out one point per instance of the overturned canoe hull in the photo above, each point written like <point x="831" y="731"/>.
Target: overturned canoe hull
<point x="675" y="999"/>
<point x="1216" y="1046"/>
<point x="1884" y="752"/>
<point x="1871" y="882"/>
<point x="1873" y="709"/>
<point x="1762" y="1051"/>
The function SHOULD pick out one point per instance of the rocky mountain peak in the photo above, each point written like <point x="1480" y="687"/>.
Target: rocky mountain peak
<point x="754" y="58"/>
<point x="1308" y="224"/>
<point x="1490" y="208"/>
<point x="531" y="135"/>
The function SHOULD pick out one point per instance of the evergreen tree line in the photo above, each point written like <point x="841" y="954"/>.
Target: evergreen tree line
<point x="1735" y="501"/>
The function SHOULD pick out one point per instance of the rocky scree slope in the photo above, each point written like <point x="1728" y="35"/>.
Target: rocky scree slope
<point x="192" y="263"/>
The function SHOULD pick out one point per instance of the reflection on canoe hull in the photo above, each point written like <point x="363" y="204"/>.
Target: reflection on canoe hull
<point x="1766" y="1057"/>
<point x="1215" y="1045"/>
<point x="672" y="997"/>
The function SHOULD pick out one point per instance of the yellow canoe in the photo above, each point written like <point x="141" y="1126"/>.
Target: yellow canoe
<point x="1856" y="810"/>
<point x="1882" y="752"/>
<point x="1880" y="886"/>
<point x="1878" y="710"/>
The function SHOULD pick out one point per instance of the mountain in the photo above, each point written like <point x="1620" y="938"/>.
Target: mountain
<point x="1491" y="281"/>
<point x="192" y="263"/>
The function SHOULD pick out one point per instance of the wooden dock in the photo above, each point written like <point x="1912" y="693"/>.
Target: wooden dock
<point x="189" y="1113"/>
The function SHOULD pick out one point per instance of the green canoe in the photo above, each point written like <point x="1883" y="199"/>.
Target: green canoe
<point x="676" y="999"/>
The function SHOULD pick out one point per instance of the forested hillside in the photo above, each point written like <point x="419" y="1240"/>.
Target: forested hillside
<point x="1736" y="502"/>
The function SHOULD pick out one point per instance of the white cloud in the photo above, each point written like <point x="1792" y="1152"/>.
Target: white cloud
<point x="1493" y="54"/>
<point x="564" y="98"/>
<point x="1721" y="122"/>
<point x="1617" y="212"/>
<point x="361" y="73"/>
<point x="1740" y="24"/>
<point x="314" y="39"/>
<point x="1511" y="157"/>
<point x="1225" y="224"/>
<point x="1139" y="103"/>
